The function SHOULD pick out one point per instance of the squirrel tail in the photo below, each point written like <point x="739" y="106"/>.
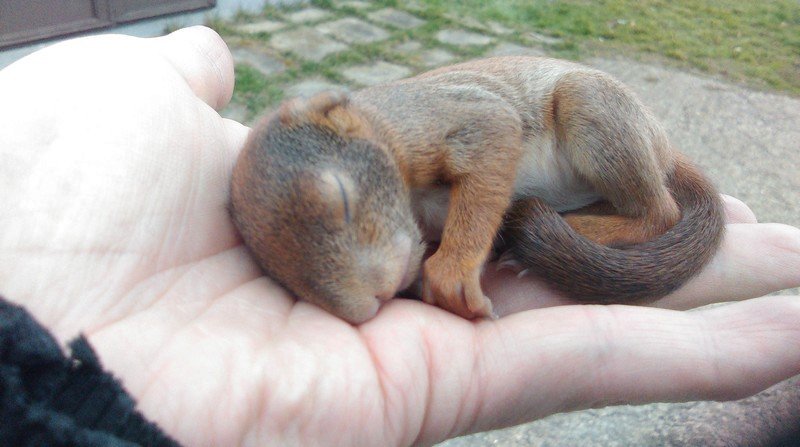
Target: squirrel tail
<point x="547" y="246"/>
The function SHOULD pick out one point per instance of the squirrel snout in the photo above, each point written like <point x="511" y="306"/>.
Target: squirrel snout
<point x="358" y="310"/>
<point x="388" y="272"/>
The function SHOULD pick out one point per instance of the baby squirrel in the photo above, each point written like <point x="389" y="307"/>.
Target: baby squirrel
<point x="336" y="195"/>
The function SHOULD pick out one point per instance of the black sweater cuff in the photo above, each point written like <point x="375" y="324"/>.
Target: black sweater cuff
<point x="53" y="400"/>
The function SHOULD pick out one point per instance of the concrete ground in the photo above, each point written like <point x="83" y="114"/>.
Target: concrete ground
<point x="746" y="140"/>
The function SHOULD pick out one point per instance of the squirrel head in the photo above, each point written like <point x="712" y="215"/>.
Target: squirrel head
<point x="325" y="213"/>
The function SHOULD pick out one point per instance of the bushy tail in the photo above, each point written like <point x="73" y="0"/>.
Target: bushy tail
<point x="545" y="244"/>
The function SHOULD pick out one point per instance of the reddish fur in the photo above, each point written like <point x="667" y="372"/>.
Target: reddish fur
<point x="466" y="126"/>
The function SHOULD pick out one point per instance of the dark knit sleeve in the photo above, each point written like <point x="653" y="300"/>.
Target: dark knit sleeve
<point x="48" y="399"/>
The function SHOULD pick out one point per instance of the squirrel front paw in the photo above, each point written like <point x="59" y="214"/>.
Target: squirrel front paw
<point x="453" y="288"/>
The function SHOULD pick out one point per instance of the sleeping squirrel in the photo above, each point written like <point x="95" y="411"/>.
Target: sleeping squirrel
<point x="558" y="165"/>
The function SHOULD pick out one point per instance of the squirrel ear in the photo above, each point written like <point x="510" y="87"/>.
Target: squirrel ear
<point x="301" y="110"/>
<point x="331" y="195"/>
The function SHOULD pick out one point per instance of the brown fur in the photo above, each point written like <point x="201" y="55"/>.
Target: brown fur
<point x="350" y="163"/>
<point x="541" y="240"/>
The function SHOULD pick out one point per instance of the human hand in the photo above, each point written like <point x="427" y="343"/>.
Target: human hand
<point x="115" y="182"/>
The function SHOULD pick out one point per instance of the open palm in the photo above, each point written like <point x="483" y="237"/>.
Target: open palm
<point x="114" y="184"/>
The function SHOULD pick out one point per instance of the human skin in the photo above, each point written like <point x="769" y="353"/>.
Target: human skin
<point x="114" y="183"/>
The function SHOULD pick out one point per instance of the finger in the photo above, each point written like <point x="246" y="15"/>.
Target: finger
<point x="754" y="260"/>
<point x="511" y="293"/>
<point x="202" y="58"/>
<point x="565" y="358"/>
<point x="737" y="211"/>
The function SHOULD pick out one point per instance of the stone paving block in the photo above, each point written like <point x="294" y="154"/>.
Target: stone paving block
<point x="461" y="37"/>
<point x="415" y="5"/>
<point x="355" y="4"/>
<point x="541" y="38"/>
<point x="395" y="18"/>
<point x="352" y="30"/>
<point x="310" y="87"/>
<point x="375" y="73"/>
<point x="512" y="49"/>
<point x="260" y="60"/>
<point x="435" y="57"/>
<point x="432" y="58"/>
<point x="308" y="15"/>
<point x="471" y="22"/>
<point x="498" y="28"/>
<point x="468" y="21"/>
<point x="306" y="43"/>
<point x="236" y="112"/>
<point x="428" y="58"/>
<point x="408" y="47"/>
<point x="264" y="26"/>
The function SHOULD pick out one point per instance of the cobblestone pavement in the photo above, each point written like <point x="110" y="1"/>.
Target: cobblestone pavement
<point x="291" y="38"/>
<point x="746" y="140"/>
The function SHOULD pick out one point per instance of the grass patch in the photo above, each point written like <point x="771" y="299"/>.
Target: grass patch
<point x="743" y="41"/>
<point x="253" y="90"/>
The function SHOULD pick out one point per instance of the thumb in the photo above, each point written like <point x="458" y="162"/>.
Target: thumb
<point x="200" y="55"/>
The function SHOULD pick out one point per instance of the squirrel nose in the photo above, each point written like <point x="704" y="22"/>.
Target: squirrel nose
<point x="361" y="311"/>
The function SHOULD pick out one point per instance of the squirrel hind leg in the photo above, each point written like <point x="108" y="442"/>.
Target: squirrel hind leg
<point x="612" y="230"/>
<point x="641" y="219"/>
<point x="616" y="147"/>
<point x="603" y="224"/>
